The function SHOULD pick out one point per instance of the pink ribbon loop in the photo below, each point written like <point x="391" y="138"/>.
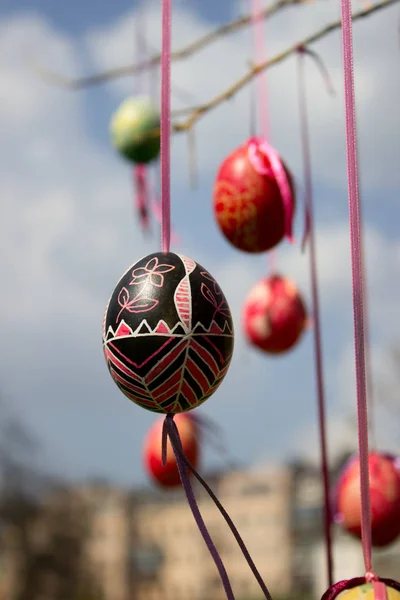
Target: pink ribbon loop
<point x="257" y="147"/>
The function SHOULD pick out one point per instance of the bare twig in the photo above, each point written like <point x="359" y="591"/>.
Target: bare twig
<point x="59" y="80"/>
<point x="189" y="50"/>
<point x="196" y="112"/>
<point x="199" y="111"/>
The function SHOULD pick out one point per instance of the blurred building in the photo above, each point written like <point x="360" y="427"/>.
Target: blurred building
<point x="146" y="545"/>
<point x="115" y="544"/>
<point x="72" y="547"/>
<point x="179" y="565"/>
<point x="307" y="524"/>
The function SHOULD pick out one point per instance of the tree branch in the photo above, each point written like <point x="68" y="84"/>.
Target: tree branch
<point x="192" y="48"/>
<point x="199" y="111"/>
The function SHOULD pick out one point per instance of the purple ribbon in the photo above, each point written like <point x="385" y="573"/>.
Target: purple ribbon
<point x="170" y="430"/>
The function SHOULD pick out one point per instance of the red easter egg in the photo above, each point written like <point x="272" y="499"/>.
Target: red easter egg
<point x="168" y="475"/>
<point x="248" y="205"/>
<point x="274" y="315"/>
<point x="384" y="479"/>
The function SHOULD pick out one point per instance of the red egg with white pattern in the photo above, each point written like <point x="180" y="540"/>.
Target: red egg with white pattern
<point x="274" y="315"/>
<point x="249" y="208"/>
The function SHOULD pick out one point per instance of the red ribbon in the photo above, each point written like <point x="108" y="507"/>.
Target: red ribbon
<point x="142" y="195"/>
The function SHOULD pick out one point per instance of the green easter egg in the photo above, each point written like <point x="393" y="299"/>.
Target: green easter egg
<point x="135" y="130"/>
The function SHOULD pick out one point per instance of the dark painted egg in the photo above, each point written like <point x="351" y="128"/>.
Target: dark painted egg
<point x="135" y="130"/>
<point x="168" y="333"/>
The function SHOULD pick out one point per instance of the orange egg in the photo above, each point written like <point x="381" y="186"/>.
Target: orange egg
<point x="384" y="480"/>
<point x="168" y="475"/>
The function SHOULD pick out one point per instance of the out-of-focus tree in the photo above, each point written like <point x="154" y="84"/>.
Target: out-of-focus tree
<point x="43" y="525"/>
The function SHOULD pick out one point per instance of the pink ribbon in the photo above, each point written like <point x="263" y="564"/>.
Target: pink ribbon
<point x="155" y="207"/>
<point x="165" y="143"/>
<point x="305" y="138"/>
<point x="257" y="146"/>
<point x="380" y="590"/>
<point x="357" y="278"/>
<point x="318" y="358"/>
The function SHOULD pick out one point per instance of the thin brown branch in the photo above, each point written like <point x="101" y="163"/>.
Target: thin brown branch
<point x="200" y="111"/>
<point x="189" y="50"/>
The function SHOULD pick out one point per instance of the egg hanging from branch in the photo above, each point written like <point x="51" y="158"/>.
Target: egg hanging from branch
<point x="254" y="197"/>
<point x="384" y="481"/>
<point x="274" y="315"/>
<point x="168" y="333"/>
<point x="135" y="130"/>
<point x="168" y="476"/>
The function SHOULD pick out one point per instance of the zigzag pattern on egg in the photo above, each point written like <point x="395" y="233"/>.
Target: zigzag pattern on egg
<point x="176" y="357"/>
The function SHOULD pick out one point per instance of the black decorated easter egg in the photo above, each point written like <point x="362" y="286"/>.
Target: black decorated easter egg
<point x="168" y="333"/>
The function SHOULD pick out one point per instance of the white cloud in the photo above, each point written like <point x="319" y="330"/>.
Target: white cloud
<point x="342" y="415"/>
<point x="334" y="273"/>
<point x="24" y="101"/>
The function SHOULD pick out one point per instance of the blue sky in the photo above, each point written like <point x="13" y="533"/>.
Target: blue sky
<point x="67" y="232"/>
<point x="76" y="18"/>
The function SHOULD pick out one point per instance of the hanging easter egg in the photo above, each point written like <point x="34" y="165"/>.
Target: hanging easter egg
<point x="135" y="130"/>
<point x="168" y="475"/>
<point x="168" y="333"/>
<point x="274" y="315"/>
<point x="254" y="197"/>
<point x="360" y="589"/>
<point x="384" y="480"/>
